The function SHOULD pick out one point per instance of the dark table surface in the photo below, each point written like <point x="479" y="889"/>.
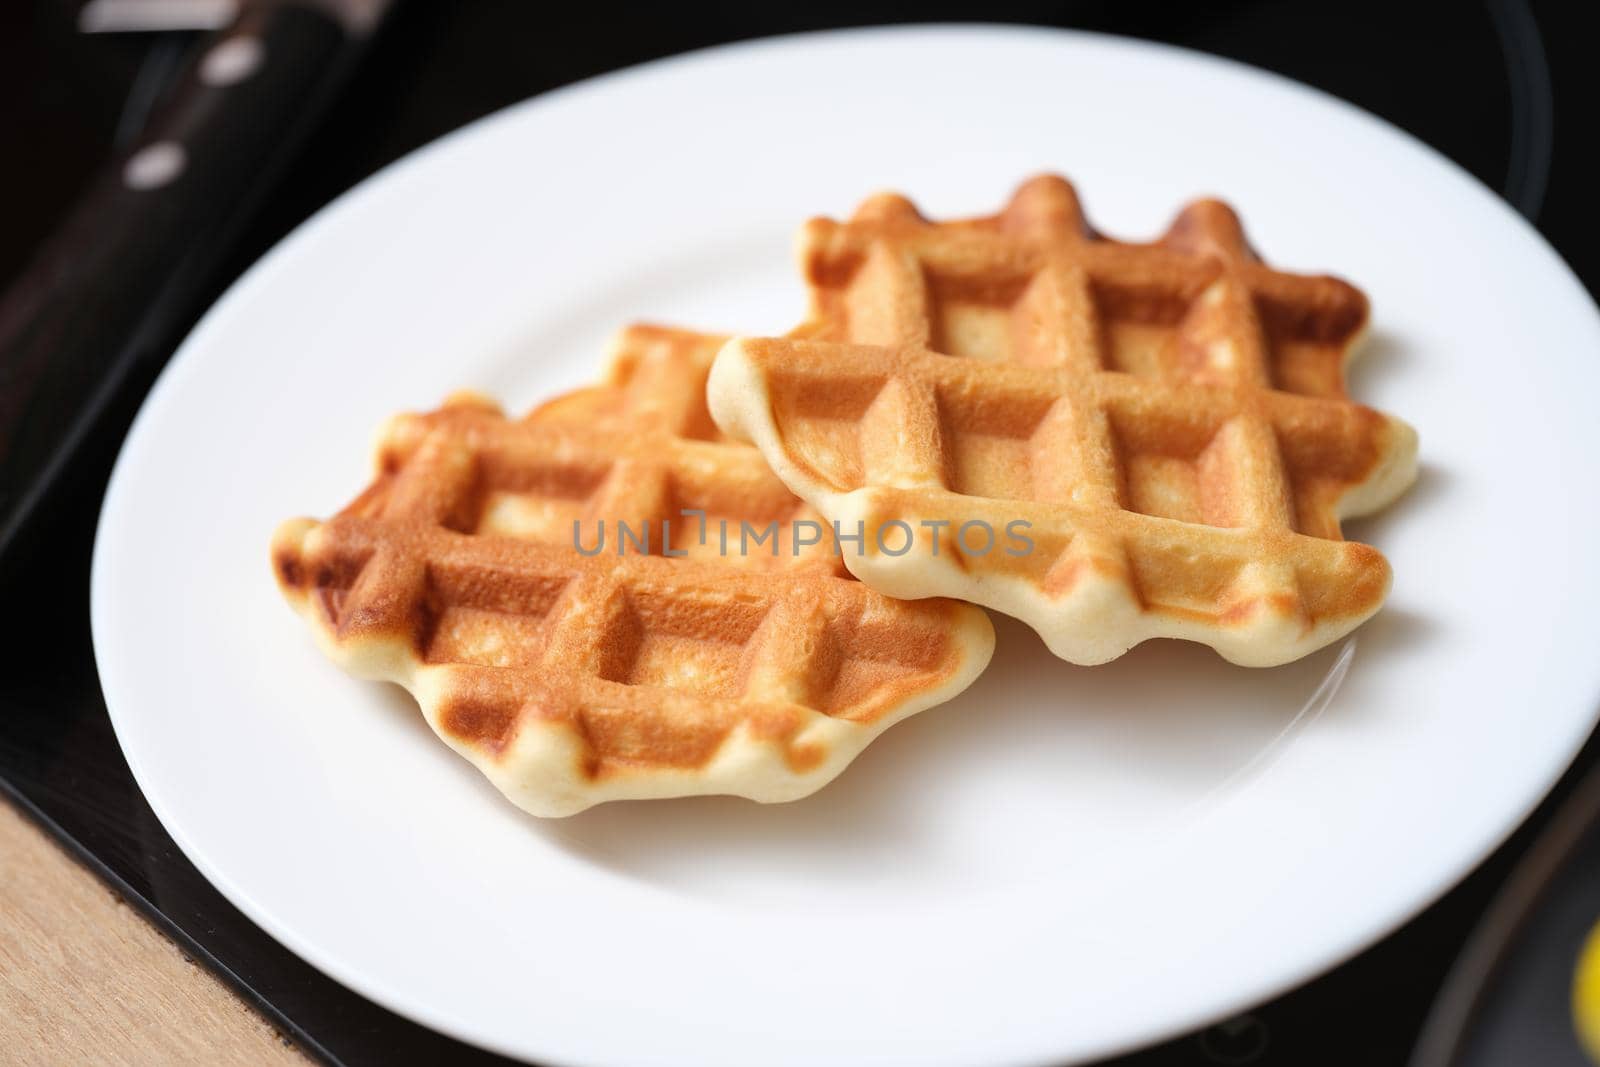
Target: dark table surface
<point x="1505" y="90"/>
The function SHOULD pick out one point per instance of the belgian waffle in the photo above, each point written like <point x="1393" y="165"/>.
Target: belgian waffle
<point x="571" y="678"/>
<point x="1168" y="420"/>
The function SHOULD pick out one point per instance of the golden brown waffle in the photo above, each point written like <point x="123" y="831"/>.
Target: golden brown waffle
<point x="1169" y="419"/>
<point x="571" y="679"/>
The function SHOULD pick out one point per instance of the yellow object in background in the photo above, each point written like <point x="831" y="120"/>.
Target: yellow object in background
<point x="1586" y="995"/>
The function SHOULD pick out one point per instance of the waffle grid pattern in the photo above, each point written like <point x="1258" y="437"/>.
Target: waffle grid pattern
<point x="571" y="679"/>
<point x="1169" y="419"/>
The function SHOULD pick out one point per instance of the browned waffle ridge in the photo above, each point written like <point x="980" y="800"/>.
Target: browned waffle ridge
<point x="572" y="679"/>
<point x="1170" y="419"/>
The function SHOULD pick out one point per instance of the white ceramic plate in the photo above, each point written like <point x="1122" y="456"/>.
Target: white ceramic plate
<point x="1064" y="862"/>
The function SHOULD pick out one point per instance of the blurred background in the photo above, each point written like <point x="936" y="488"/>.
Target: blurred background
<point x="1488" y="84"/>
<point x="1505" y="89"/>
<point x="1484" y="83"/>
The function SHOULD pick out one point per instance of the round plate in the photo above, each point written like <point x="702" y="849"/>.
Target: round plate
<point x="1064" y="862"/>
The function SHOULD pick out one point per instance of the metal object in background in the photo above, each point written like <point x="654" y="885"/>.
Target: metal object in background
<point x="1508" y="999"/>
<point x="1532" y="105"/>
<point x="141" y="16"/>
<point x="126" y="268"/>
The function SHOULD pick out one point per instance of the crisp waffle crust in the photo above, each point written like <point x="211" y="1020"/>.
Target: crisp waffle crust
<point x="571" y="679"/>
<point x="1168" y="421"/>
